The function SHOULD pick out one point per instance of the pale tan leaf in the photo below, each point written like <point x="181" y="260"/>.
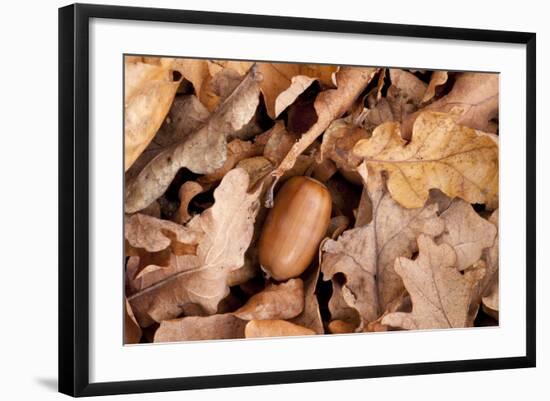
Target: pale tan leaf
<point x="153" y="235"/>
<point x="440" y="294"/>
<point x="282" y="301"/>
<point x="201" y="152"/>
<point x="149" y="92"/>
<point x="410" y="86"/>
<point x="237" y="150"/>
<point x="438" y="78"/>
<point x="275" y="328"/>
<point x="467" y="232"/>
<point x="258" y="169"/>
<point x="365" y="255"/>
<point x="488" y="288"/>
<point x="227" y="229"/>
<point x="459" y="161"/>
<point x="215" y="327"/>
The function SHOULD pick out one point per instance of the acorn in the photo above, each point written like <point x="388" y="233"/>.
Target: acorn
<point x="294" y="227"/>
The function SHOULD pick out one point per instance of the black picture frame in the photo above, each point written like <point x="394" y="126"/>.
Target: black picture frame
<point x="74" y="198"/>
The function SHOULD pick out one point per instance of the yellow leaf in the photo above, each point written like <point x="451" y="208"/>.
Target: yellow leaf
<point x="460" y="161"/>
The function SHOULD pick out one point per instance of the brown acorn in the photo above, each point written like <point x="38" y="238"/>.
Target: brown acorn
<point x="294" y="227"/>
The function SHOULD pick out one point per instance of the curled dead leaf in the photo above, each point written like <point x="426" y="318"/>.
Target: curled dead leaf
<point x="282" y="301"/>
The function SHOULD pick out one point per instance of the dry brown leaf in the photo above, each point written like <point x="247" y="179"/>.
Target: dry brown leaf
<point x="142" y="273"/>
<point x="400" y="304"/>
<point x="187" y="192"/>
<point x="340" y="327"/>
<point x="488" y="289"/>
<point x="310" y="316"/>
<point x="491" y="300"/>
<point x="329" y="105"/>
<point x="186" y="115"/>
<point x="459" y="161"/>
<point x="338" y="141"/>
<point x="149" y="90"/>
<point x="215" y="327"/>
<point x="132" y="331"/>
<point x="240" y="67"/>
<point x="365" y="255"/>
<point x="438" y="78"/>
<point x="467" y="232"/>
<point x="283" y="83"/>
<point x="282" y="301"/>
<point x="201" y="152"/>
<point x="339" y="307"/>
<point x="274" y="328"/>
<point x="440" y="294"/>
<point x="473" y="99"/>
<point x="237" y="150"/>
<point x="279" y="143"/>
<point x="411" y="87"/>
<point x="258" y="169"/>
<point x="228" y="227"/>
<point x="154" y="235"/>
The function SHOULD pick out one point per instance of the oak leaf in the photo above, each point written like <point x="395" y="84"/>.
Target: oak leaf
<point x="365" y="255"/>
<point x="311" y="315"/>
<point x="473" y="99"/>
<point x="438" y="78"/>
<point x="215" y="327"/>
<point x="274" y="328"/>
<point x="468" y="233"/>
<point x="411" y="87"/>
<point x="488" y="289"/>
<point x="149" y="90"/>
<point x="237" y="150"/>
<point x="329" y="105"/>
<point x="227" y="229"/>
<point x="283" y="83"/>
<point x="440" y="294"/>
<point x="201" y="152"/>
<point x="338" y="141"/>
<point x="276" y="301"/>
<point x="186" y="115"/>
<point x="154" y="235"/>
<point x="459" y="161"/>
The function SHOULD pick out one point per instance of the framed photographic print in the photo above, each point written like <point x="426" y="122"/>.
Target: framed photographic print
<point x="249" y="199"/>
